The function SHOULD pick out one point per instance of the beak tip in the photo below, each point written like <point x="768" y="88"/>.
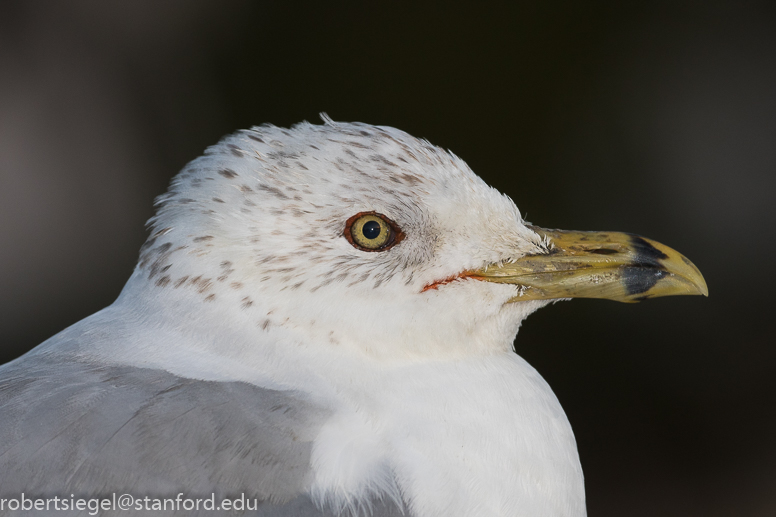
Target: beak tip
<point x="696" y="280"/>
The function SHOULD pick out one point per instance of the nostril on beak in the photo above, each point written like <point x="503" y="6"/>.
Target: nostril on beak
<point x="604" y="251"/>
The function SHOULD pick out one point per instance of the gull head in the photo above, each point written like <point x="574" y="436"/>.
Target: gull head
<point x="366" y="239"/>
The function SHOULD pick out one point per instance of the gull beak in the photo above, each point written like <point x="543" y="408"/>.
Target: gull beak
<point x="614" y="266"/>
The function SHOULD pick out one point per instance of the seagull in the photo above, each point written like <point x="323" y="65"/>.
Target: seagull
<point x="322" y="321"/>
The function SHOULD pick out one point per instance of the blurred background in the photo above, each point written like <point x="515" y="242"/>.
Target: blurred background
<point x="657" y="118"/>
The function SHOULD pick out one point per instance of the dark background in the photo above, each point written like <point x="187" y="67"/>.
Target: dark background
<point x="657" y="119"/>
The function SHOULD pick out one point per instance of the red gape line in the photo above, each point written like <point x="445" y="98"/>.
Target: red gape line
<point x="459" y="276"/>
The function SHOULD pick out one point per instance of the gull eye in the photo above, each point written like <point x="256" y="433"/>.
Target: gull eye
<point x="370" y="231"/>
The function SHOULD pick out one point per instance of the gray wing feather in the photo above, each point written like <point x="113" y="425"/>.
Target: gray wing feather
<point x="74" y="427"/>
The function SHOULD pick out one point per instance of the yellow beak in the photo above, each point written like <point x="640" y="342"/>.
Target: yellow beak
<point x="614" y="266"/>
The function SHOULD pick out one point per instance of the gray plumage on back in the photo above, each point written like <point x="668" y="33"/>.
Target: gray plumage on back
<point x="69" y="424"/>
<point x="78" y="427"/>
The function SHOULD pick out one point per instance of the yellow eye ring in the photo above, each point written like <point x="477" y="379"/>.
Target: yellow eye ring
<point x="370" y="231"/>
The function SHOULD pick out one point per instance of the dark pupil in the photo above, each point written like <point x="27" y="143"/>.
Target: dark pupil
<point x="371" y="230"/>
